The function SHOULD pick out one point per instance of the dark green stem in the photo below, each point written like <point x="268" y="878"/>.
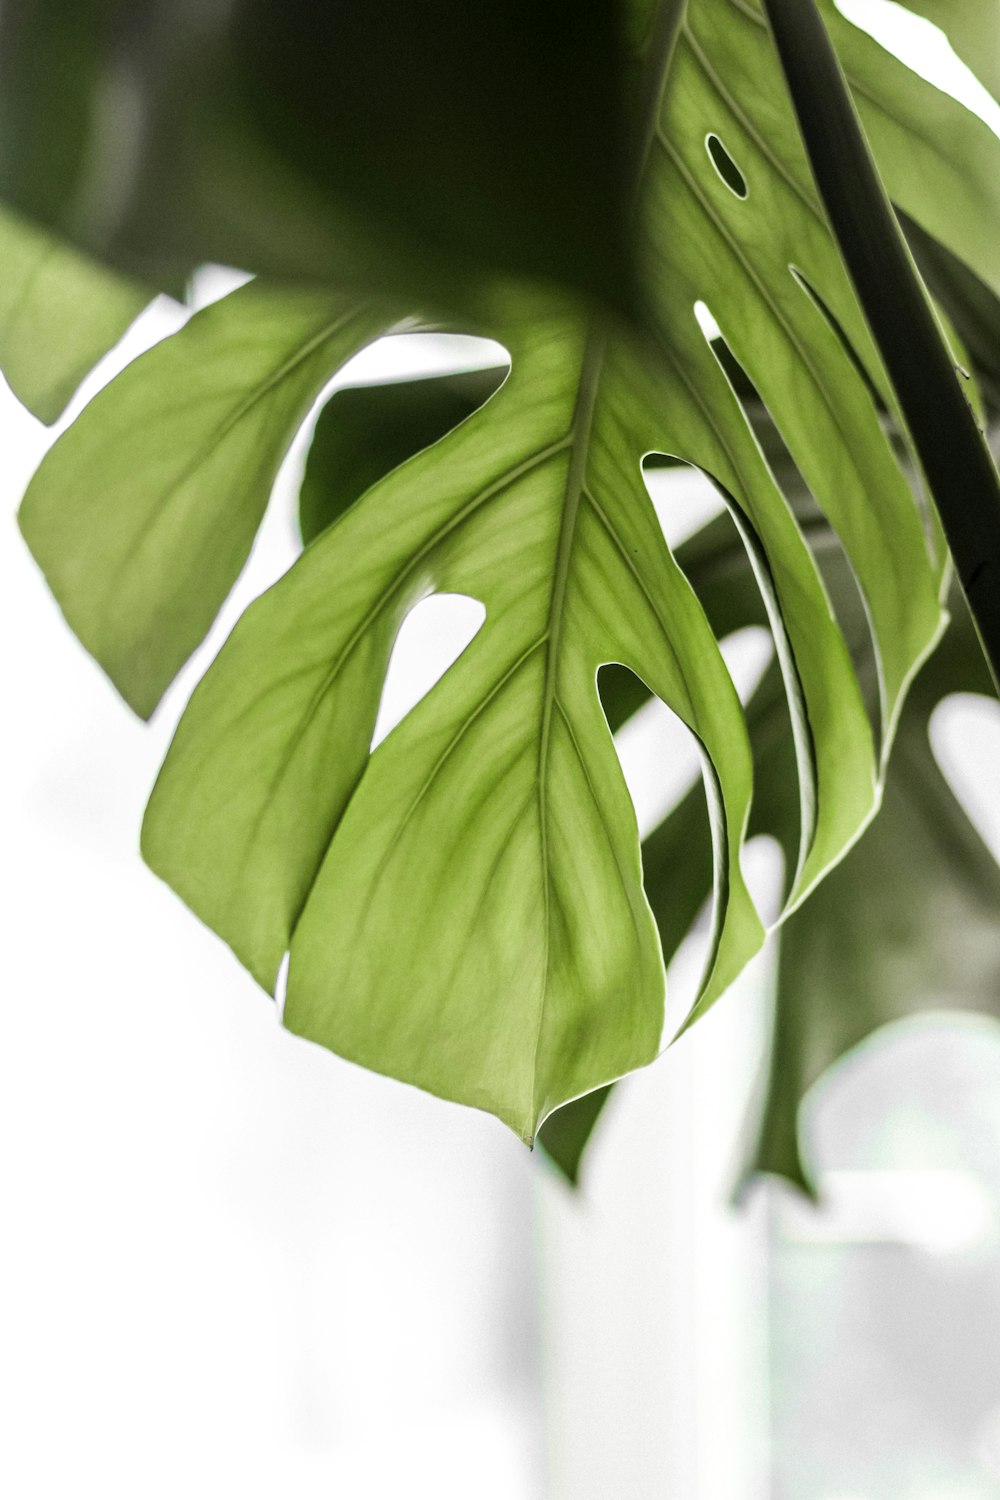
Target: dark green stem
<point x="943" y="428"/>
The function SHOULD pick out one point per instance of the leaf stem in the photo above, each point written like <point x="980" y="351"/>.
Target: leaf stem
<point x="943" y="428"/>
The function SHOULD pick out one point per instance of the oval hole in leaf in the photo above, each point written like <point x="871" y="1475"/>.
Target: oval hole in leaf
<point x="705" y="318"/>
<point x="726" y="167"/>
<point x="430" y="640"/>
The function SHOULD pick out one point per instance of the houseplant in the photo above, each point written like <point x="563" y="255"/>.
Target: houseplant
<point x="465" y="907"/>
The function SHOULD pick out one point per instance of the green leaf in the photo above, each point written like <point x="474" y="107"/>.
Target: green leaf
<point x="463" y="907"/>
<point x="940" y="419"/>
<point x="143" y="513"/>
<point x="58" y="314"/>
<point x="484" y="859"/>
<point x="439" y="898"/>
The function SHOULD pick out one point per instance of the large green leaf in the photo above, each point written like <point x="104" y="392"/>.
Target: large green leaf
<point x="58" y="314"/>
<point x="463" y="907"/>
<point x="466" y="903"/>
<point x="144" y="512"/>
<point x="439" y="898"/>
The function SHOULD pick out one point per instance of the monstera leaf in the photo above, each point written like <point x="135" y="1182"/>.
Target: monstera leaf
<point x="463" y="907"/>
<point x="910" y="920"/>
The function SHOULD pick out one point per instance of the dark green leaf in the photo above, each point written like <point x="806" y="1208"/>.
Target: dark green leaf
<point x="392" y="146"/>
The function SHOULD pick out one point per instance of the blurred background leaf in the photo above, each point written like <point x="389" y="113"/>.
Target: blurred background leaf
<point x="379" y="145"/>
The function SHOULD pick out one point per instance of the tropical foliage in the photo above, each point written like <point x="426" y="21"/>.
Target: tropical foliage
<point x="466" y="906"/>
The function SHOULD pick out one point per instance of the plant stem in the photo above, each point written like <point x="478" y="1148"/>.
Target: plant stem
<point x="943" y="428"/>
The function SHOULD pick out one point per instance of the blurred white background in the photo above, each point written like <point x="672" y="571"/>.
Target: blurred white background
<point x="234" y="1265"/>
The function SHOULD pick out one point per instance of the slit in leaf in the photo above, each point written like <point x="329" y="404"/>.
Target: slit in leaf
<point x="836" y="326"/>
<point x="837" y="573"/>
<point x="726" y="167"/>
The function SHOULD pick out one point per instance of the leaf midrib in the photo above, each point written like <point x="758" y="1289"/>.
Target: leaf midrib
<point x="579" y="438"/>
<point x="491" y="492"/>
